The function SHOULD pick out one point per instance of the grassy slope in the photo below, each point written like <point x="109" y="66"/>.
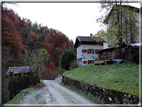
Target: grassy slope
<point x="121" y="77"/>
<point x="19" y="96"/>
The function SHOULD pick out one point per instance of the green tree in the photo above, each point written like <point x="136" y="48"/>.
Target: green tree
<point x="118" y="23"/>
<point x="66" y="58"/>
<point x="36" y="60"/>
<point x="35" y="27"/>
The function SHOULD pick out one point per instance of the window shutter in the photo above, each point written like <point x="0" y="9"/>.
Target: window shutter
<point x="93" y="51"/>
<point x="87" y="51"/>
<point x="88" y="61"/>
<point x="83" y="50"/>
<point x="84" y="62"/>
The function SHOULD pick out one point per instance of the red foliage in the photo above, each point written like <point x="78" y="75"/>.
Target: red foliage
<point x="48" y="48"/>
<point x="11" y="37"/>
<point x="51" y="65"/>
<point x="44" y="30"/>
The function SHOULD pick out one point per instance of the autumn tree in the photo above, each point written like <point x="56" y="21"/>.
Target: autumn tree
<point x="121" y="23"/>
<point x="12" y="45"/>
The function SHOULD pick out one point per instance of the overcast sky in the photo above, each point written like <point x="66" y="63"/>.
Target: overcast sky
<point x="72" y="19"/>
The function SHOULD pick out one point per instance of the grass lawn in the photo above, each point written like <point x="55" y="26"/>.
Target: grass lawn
<point x="122" y="77"/>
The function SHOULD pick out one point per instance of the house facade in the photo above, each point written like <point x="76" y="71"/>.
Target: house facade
<point x="129" y="50"/>
<point x="129" y="23"/>
<point x="86" y="49"/>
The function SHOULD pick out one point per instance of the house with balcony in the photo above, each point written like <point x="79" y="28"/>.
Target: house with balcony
<point x="86" y="49"/>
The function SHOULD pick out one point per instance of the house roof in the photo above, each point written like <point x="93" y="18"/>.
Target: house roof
<point x="113" y="8"/>
<point x="87" y="39"/>
<point x="16" y="70"/>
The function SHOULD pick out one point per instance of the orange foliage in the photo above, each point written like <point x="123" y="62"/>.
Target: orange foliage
<point x="35" y="35"/>
<point x="61" y="70"/>
<point x="12" y="40"/>
<point x="51" y="65"/>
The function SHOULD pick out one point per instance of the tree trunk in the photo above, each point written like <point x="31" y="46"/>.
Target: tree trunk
<point x="120" y="48"/>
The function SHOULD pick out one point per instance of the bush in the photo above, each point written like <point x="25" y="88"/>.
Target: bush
<point x="74" y="65"/>
<point x="61" y="70"/>
<point x="66" y="58"/>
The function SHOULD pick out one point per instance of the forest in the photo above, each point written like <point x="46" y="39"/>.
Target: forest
<point x="19" y="35"/>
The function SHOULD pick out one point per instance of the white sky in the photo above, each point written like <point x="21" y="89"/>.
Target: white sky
<point x="72" y="19"/>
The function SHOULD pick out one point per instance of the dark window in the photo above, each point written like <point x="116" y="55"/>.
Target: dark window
<point x="85" y="62"/>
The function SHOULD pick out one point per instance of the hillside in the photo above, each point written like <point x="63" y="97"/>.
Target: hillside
<point x="121" y="77"/>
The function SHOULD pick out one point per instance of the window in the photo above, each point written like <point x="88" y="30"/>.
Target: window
<point x="96" y="50"/>
<point x="90" y="51"/>
<point x="84" y="62"/>
<point x="84" y="51"/>
<point x="90" y="61"/>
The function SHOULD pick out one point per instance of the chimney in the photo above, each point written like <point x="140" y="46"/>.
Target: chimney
<point x="90" y="34"/>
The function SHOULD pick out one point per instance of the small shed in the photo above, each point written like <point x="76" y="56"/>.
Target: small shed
<point x="132" y="52"/>
<point x="108" y="53"/>
<point x="17" y="70"/>
<point x="20" y="78"/>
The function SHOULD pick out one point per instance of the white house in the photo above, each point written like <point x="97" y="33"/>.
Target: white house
<point x="133" y="37"/>
<point x="86" y="48"/>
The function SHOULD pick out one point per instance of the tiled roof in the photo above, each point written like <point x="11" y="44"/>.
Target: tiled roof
<point x="16" y="70"/>
<point x="89" y="39"/>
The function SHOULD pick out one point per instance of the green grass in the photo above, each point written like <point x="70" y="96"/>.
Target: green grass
<point x="59" y="75"/>
<point x="19" y="96"/>
<point x="41" y="82"/>
<point x="81" y="93"/>
<point x="121" y="77"/>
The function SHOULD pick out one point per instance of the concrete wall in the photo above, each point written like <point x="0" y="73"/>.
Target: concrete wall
<point x="81" y="57"/>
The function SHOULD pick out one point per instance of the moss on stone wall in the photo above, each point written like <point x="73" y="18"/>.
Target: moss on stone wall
<point x="99" y="93"/>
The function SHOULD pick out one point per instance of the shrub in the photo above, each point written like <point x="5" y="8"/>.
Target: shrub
<point x="61" y="70"/>
<point x="74" y="65"/>
<point x="66" y="58"/>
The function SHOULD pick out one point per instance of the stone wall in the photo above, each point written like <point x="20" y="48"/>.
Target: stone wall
<point x="106" y="96"/>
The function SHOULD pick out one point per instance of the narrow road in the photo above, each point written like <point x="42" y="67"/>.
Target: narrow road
<point x="62" y="95"/>
<point x="53" y="93"/>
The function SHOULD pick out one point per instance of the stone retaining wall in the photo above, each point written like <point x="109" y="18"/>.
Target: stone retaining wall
<point x="106" y="96"/>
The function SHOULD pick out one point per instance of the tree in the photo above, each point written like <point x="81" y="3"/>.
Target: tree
<point x="66" y="58"/>
<point x="122" y="23"/>
<point x="36" y="60"/>
<point x="35" y="27"/>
